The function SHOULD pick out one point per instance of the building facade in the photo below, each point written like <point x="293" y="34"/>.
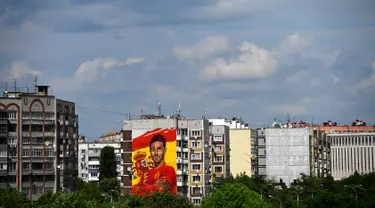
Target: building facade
<point x="193" y="153"/>
<point x="38" y="142"/>
<point x="287" y="153"/>
<point x="332" y="150"/>
<point x="89" y="159"/>
<point x="220" y="151"/>
<point x="352" y="152"/>
<point x="242" y="145"/>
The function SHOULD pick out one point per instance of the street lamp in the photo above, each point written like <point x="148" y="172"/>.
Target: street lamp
<point x="65" y="189"/>
<point x="354" y="187"/>
<point x="298" y="190"/>
<point x="281" y="203"/>
<point x="111" y="196"/>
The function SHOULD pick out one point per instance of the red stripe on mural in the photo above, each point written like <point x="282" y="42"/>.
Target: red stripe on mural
<point x="144" y="140"/>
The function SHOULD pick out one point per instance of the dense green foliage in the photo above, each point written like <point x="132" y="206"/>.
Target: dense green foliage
<point x="232" y="192"/>
<point x="308" y="192"/>
<point x="107" y="160"/>
<point x="233" y="195"/>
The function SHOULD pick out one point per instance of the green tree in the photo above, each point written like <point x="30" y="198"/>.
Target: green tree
<point x="107" y="167"/>
<point x="111" y="187"/>
<point x="90" y="191"/>
<point x="166" y="200"/>
<point x="11" y="198"/>
<point x="234" y="195"/>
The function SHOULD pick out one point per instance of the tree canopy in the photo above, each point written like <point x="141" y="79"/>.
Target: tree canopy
<point x="107" y="168"/>
<point x="232" y="192"/>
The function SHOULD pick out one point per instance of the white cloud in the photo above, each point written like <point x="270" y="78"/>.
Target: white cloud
<point x="367" y="83"/>
<point x="17" y="70"/>
<point x="92" y="70"/>
<point x="202" y="49"/>
<point x="224" y="9"/>
<point x="256" y="62"/>
<point x="253" y="62"/>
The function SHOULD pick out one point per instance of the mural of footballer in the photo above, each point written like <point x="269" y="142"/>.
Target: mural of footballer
<point x="162" y="176"/>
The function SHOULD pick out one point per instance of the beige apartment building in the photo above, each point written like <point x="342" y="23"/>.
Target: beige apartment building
<point x="240" y="145"/>
<point x="241" y="148"/>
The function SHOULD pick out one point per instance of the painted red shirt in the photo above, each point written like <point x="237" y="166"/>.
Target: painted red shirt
<point x="148" y="180"/>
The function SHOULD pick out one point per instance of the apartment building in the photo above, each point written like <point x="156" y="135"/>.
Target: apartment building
<point x="352" y="152"/>
<point x="287" y="153"/>
<point x="328" y="150"/>
<point x="192" y="152"/>
<point x="38" y="142"/>
<point x="242" y="145"/>
<point x="351" y="148"/>
<point x="220" y="151"/>
<point x="89" y="159"/>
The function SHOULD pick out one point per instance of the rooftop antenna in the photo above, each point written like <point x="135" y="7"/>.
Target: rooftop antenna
<point x="129" y="116"/>
<point x="179" y="108"/>
<point x="205" y="114"/>
<point x="6" y="86"/>
<point x="15" y="85"/>
<point x="35" y="83"/>
<point x="159" y="109"/>
<point x="288" y="115"/>
<point x="141" y="111"/>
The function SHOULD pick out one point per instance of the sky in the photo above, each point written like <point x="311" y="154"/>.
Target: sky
<point x="255" y="59"/>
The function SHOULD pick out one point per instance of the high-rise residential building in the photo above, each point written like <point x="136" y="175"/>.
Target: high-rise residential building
<point x="89" y="158"/>
<point x="38" y="142"/>
<point x="287" y="153"/>
<point x="352" y="148"/>
<point x="220" y="151"/>
<point x="242" y="145"/>
<point x="195" y="151"/>
<point x="287" y="150"/>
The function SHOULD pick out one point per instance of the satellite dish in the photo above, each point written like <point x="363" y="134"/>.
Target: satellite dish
<point x="46" y="143"/>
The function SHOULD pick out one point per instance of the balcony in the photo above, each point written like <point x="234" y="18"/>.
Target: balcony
<point x="38" y="134"/>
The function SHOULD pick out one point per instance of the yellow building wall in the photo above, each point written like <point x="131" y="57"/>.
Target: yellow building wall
<point x="240" y="151"/>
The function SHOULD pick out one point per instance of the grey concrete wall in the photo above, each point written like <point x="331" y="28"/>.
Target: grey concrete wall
<point x="287" y="153"/>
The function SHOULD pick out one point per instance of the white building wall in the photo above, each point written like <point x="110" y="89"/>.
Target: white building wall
<point x="88" y="160"/>
<point x="233" y="124"/>
<point x="287" y="153"/>
<point x="352" y="152"/>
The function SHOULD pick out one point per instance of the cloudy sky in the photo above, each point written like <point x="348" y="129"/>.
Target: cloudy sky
<point x="258" y="59"/>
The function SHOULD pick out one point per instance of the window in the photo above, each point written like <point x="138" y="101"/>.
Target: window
<point x="26" y="140"/>
<point x="26" y="153"/>
<point x="182" y="132"/>
<point x="195" y="133"/>
<point x="218" y="138"/>
<point x="196" y="178"/>
<point x="37" y="153"/>
<point x="83" y="151"/>
<point x="3" y="115"/>
<point x="3" y="128"/>
<point x="3" y="153"/>
<point x="218" y="158"/>
<point x="196" y="156"/>
<point x="218" y="169"/>
<point x="196" y="144"/>
<point x="196" y="167"/>
<point x="196" y="190"/>
<point x="94" y="174"/>
<point x="3" y="166"/>
<point x="196" y="201"/>
<point x="218" y="148"/>
<point x="49" y="153"/>
<point x="12" y="140"/>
